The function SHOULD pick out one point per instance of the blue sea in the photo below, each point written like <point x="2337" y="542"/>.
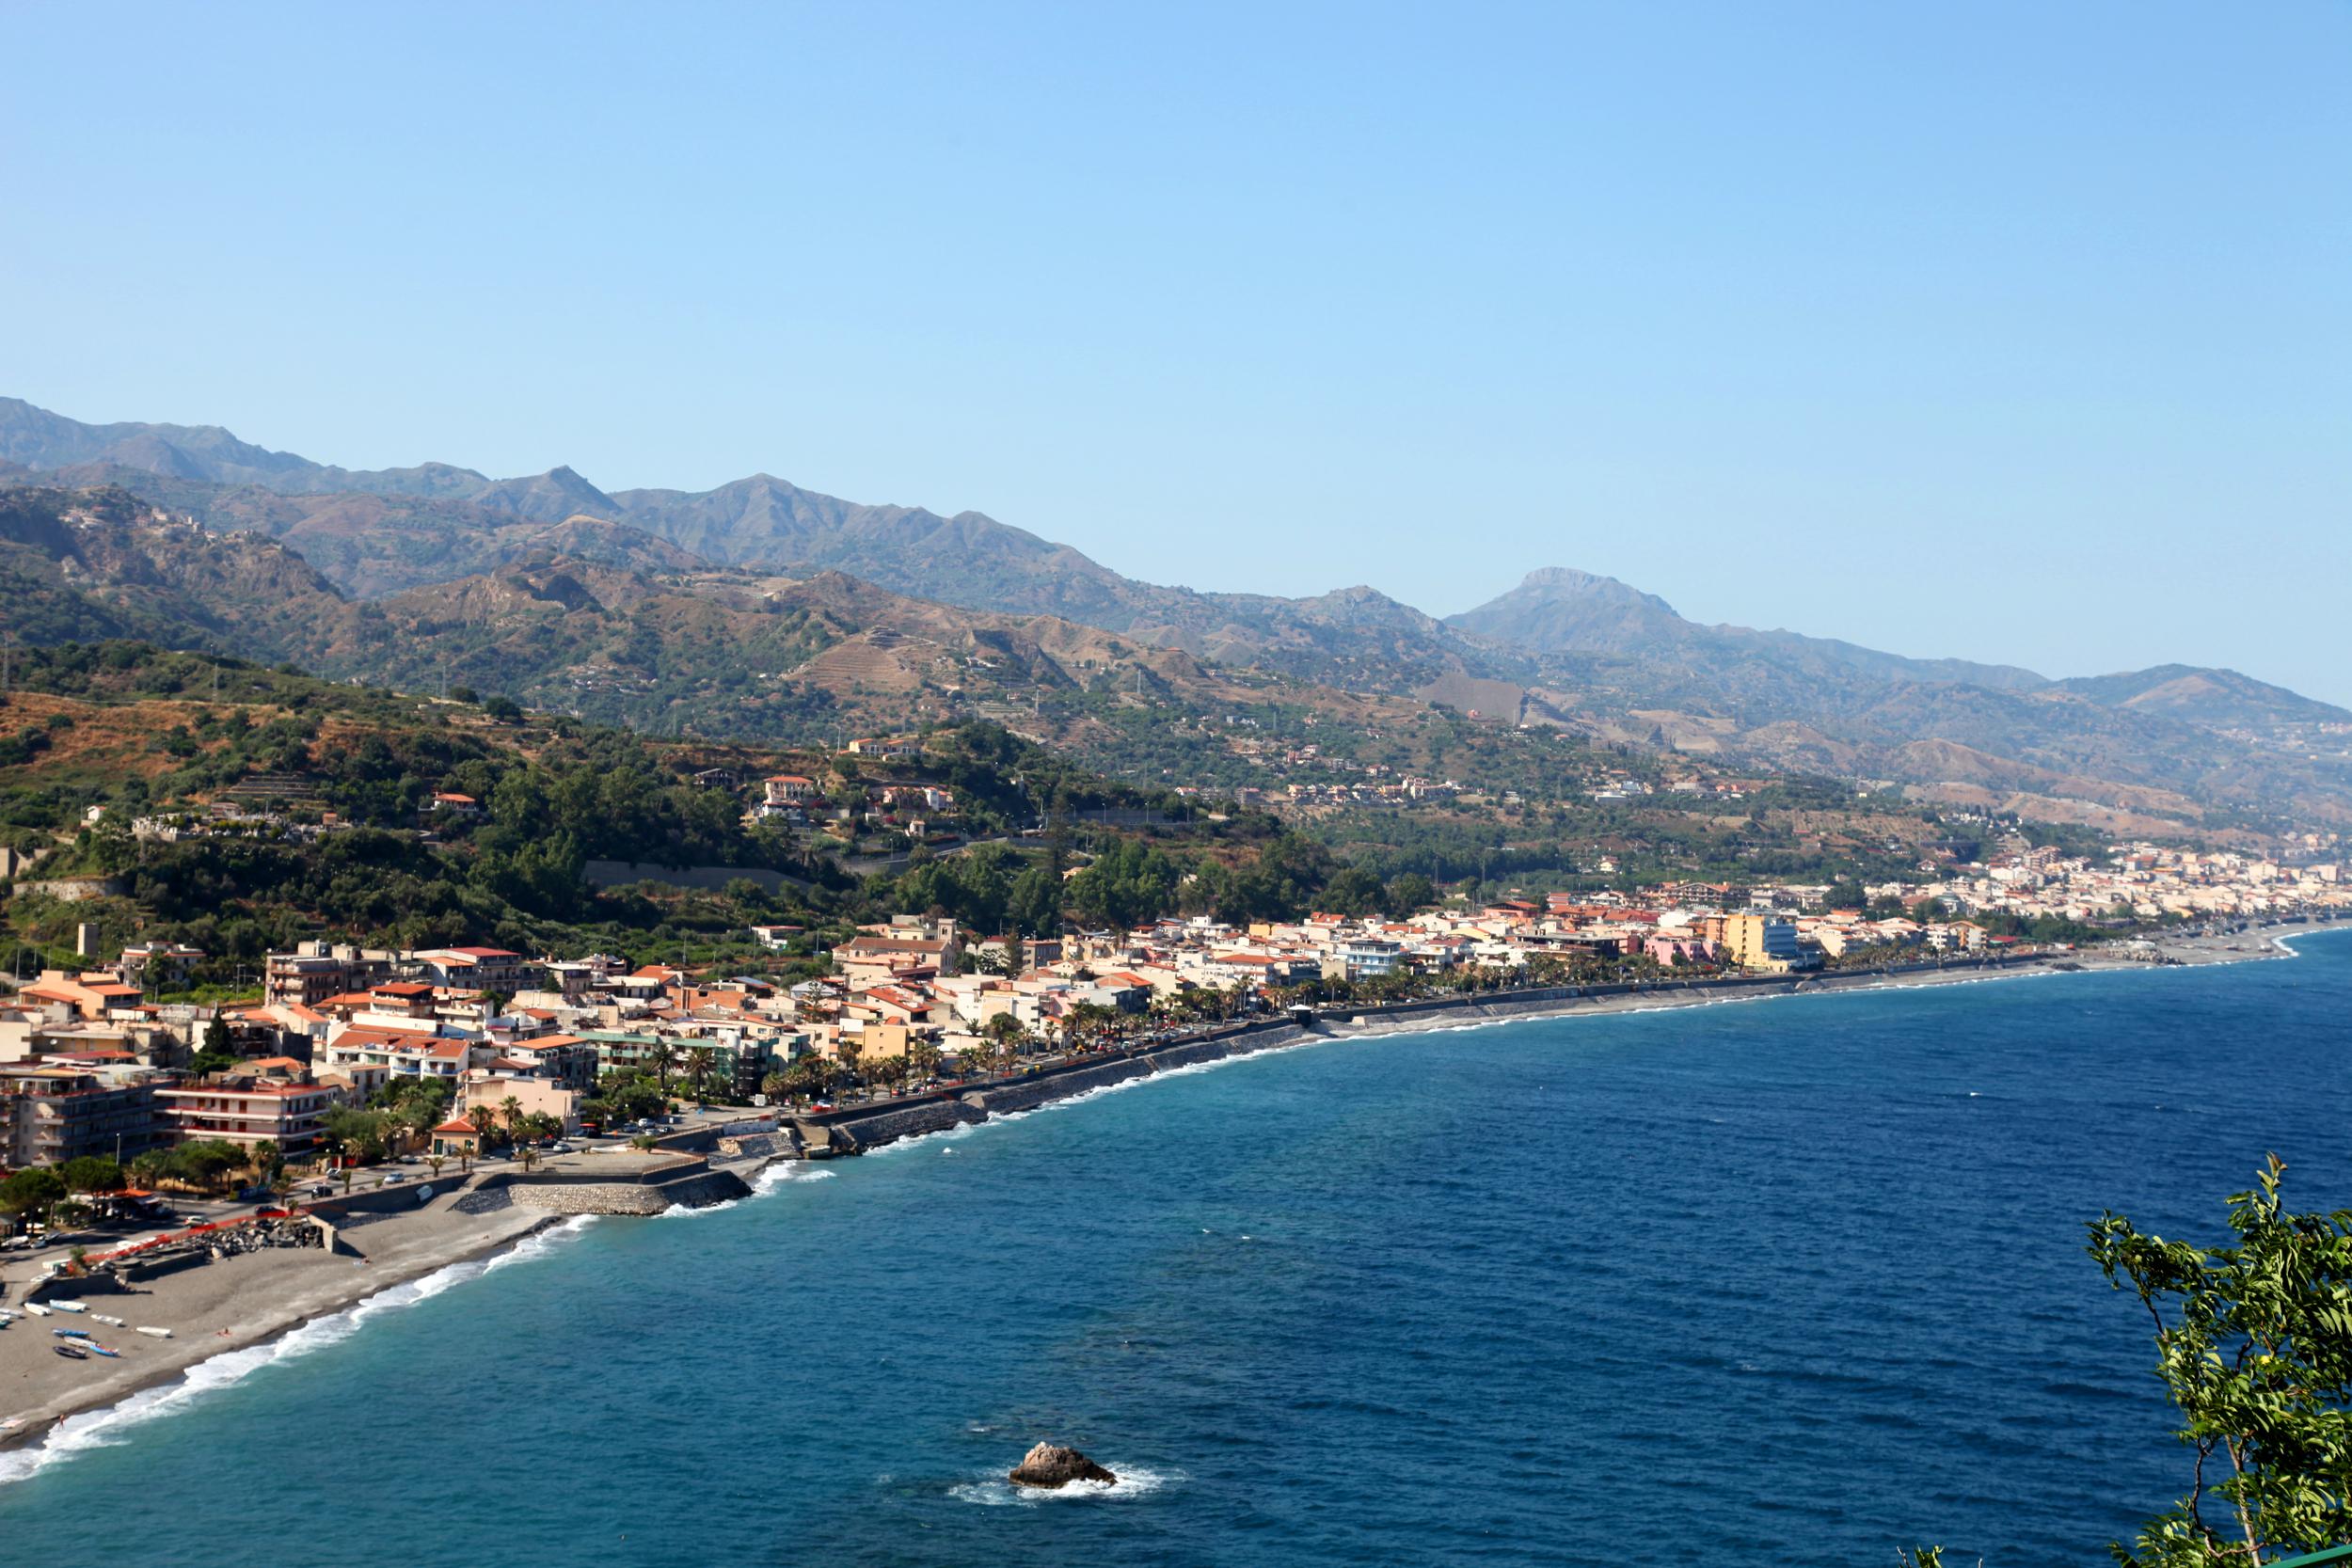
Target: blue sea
<point x="1796" y="1281"/>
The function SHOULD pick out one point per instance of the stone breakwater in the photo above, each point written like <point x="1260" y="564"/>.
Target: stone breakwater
<point x="1028" y="1094"/>
<point x="631" y="1198"/>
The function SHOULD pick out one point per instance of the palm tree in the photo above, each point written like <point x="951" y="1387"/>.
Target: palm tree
<point x="1004" y="1033"/>
<point x="485" y="1122"/>
<point x="699" y="1061"/>
<point x="663" y="1056"/>
<point x="434" y="1164"/>
<point x="808" y="1073"/>
<point x="511" y="1111"/>
<point x="529" y="1156"/>
<point x="923" y="1058"/>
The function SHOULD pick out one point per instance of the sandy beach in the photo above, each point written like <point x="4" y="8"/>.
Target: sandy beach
<point x="250" y="1299"/>
<point x="226" y="1305"/>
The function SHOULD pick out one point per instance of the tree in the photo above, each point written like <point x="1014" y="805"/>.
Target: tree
<point x="2254" y="1344"/>
<point x="700" y="1059"/>
<point x="511" y="1114"/>
<point x="31" y="1192"/>
<point x="91" y="1173"/>
<point x="1846" y="894"/>
<point x="809" y="1074"/>
<point x="1408" y="895"/>
<point x="663" y="1057"/>
<point x="923" y="1058"/>
<point x="485" y="1121"/>
<point x="1034" y="905"/>
<point x="1003" y="1031"/>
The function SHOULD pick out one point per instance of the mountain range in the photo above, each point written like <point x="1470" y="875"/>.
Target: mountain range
<point x="453" y="557"/>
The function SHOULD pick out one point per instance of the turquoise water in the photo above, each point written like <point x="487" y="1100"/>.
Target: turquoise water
<point x="1790" y="1282"/>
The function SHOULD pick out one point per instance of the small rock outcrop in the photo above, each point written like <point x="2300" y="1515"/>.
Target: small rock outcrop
<point x="1049" y="1466"/>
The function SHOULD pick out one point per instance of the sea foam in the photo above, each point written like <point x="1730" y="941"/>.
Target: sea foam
<point x="1134" y="1483"/>
<point x="106" y="1428"/>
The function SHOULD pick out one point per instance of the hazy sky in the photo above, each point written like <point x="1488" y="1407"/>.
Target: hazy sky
<point x="2017" y="332"/>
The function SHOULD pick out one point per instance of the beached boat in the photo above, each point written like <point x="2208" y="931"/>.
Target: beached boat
<point x="154" y="1333"/>
<point x="97" y="1349"/>
<point x="69" y="1306"/>
<point x="37" y="1309"/>
<point x="103" y="1317"/>
<point x="71" y="1351"/>
<point x="70" y="1333"/>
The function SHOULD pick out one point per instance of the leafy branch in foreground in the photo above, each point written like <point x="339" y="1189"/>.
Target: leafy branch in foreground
<point x="2254" y="1344"/>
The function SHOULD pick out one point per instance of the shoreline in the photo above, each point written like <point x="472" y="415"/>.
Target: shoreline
<point x="317" y="1286"/>
<point x="269" y="1297"/>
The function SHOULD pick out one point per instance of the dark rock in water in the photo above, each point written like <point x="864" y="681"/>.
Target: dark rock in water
<point x="1048" y="1465"/>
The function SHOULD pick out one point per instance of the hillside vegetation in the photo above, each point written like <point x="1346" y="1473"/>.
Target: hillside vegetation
<point x="726" y="612"/>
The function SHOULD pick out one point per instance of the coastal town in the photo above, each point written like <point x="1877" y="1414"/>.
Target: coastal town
<point x="184" y="1179"/>
<point x="205" y="1138"/>
<point x="516" y="1048"/>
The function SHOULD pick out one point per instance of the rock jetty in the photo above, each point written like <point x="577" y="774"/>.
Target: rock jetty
<point x="1049" y="1466"/>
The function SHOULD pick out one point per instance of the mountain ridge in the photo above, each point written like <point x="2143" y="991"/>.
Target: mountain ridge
<point x="1561" y="648"/>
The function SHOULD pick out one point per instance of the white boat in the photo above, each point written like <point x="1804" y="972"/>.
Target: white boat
<point x="37" y="1309"/>
<point x="103" y="1317"/>
<point x="69" y="1306"/>
<point x="154" y="1333"/>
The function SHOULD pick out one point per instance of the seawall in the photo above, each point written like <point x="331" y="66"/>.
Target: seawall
<point x="1060" y="1083"/>
<point x="630" y="1197"/>
<point x="854" y="1132"/>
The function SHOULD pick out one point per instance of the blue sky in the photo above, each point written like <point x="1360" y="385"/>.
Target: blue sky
<point x="2015" y="332"/>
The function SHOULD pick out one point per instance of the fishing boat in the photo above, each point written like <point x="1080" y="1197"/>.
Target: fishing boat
<point x="153" y="1333"/>
<point x="70" y="1351"/>
<point x="96" y="1348"/>
<point x="116" y="1322"/>
<point x="37" y="1309"/>
<point x="69" y="1306"/>
<point x="70" y="1333"/>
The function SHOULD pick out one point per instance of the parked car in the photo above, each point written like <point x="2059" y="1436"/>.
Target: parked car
<point x="395" y="1175"/>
